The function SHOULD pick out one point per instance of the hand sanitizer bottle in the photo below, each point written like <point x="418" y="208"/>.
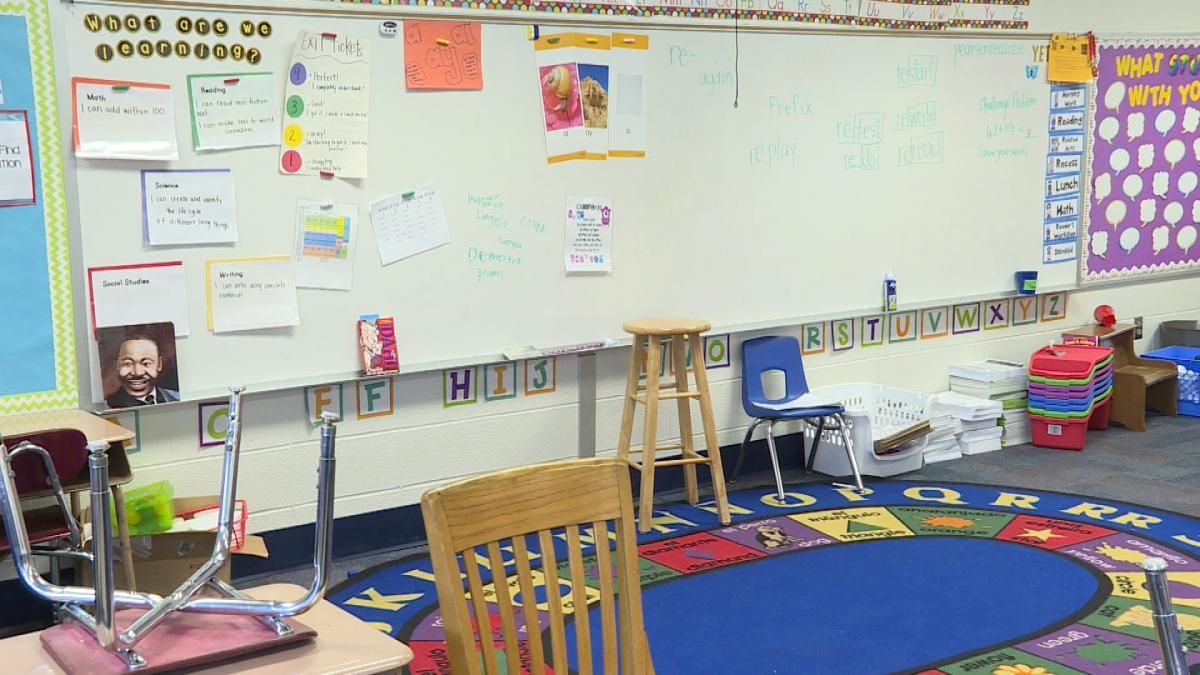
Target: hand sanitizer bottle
<point x="889" y="292"/>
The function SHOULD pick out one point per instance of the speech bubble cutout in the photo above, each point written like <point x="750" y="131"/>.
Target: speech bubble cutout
<point x="1148" y="210"/>
<point x="1099" y="244"/>
<point x="1174" y="152"/>
<point x="1165" y="122"/>
<point x="1103" y="187"/>
<point x="1188" y="182"/>
<point x="1196" y="212"/>
<point x="1173" y="213"/>
<point x="1130" y="238"/>
<point x="1191" y="120"/>
<point x="1109" y="128"/>
<point x="1162" y="181"/>
<point x="1132" y="186"/>
<point x="1115" y="213"/>
<point x="1161" y="239"/>
<point x="1196" y="149"/>
<point x="1185" y="238"/>
<point x="1145" y="157"/>
<point x="1114" y="96"/>
<point x="1135" y="126"/>
<point x="1119" y="160"/>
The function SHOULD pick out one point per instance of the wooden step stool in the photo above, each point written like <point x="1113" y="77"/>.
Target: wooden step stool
<point x="648" y="335"/>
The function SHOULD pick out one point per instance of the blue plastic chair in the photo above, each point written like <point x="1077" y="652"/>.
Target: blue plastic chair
<point x="771" y="353"/>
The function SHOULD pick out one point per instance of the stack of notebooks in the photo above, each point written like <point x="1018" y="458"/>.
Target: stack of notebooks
<point x="1002" y="381"/>
<point x="979" y="419"/>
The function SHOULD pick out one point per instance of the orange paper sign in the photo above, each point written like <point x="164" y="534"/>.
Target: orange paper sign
<point x="442" y="55"/>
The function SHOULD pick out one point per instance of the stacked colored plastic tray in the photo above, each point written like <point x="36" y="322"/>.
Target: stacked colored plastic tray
<point x="1070" y="391"/>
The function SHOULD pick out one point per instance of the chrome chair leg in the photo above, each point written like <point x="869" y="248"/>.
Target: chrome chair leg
<point x="845" y="431"/>
<point x="812" y="453"/>
<point x="1166" y="624"/>
<point x="737" y="469"/>
<point x="774" y="459"/>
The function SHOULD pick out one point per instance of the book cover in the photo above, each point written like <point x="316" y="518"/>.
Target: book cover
<point x="377" y="345"/>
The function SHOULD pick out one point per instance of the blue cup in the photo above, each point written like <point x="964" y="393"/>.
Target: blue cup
<point x="1026" y="282"/>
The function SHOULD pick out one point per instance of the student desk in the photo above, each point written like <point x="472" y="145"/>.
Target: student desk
<point x="343" y="644"/>
<point x="95" y="428"/>
<point x="1137" y="382"/>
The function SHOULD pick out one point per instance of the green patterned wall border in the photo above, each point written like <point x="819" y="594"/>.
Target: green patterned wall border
<point x="58" y="247"/>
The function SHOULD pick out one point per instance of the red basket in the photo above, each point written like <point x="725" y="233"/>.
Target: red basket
<point x="1059" y="433"/>
<point x="240" y="515"/>
<point x="1067" y="361"/>
<point x="1099" y="418"/>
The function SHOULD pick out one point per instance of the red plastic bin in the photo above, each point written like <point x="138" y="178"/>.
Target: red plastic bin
<point x="1067" y="361"/>
<point x="1059" y="433"/>
<point x="1099" y="418"/>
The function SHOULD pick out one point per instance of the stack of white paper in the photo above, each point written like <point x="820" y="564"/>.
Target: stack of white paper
<point x="1002" y="381"/>
<point x="943" y="440"/>
<point x="967" y="408"/>
<point x="979" y="441"/>
<point x="977" y="422"/>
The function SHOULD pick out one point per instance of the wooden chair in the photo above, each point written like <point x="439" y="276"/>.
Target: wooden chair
<point x="468" y="523"/>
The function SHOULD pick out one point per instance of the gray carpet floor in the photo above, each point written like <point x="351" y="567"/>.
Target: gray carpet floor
<point x="1158" y="468"/>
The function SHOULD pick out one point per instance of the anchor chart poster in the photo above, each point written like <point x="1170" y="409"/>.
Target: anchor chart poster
<point x="1143" y="212"/>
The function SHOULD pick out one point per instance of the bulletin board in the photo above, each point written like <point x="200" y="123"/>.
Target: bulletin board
<point x="1143" y="214"/>
<point x="844" y="157"/>
<point x="37" y="344"/>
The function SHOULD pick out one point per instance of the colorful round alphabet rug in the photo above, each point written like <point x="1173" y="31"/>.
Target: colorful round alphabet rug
<point x="913" y="577"/>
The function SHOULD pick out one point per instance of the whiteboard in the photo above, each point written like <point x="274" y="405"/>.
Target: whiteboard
<point x="758" y="215"/>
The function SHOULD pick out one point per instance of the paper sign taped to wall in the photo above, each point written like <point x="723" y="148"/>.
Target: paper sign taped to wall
<point x="234" y="110"/>
<point x="442" y="55"/>
<point x="125" y="295"/>
<point x="195" y="206"/>
<point x="251" y="293"/>
<point x="16" y="160"/>
<point x="115" y="119"/>
<point x="409" y="223"/>
<point x="1069" y="59"/>
<point x="326" y="103"/>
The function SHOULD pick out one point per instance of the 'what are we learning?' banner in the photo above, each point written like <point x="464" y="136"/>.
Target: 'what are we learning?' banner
<point x="1143" y="214"/>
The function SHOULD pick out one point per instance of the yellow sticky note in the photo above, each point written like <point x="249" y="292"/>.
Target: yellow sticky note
<point x="1069" y="60"/>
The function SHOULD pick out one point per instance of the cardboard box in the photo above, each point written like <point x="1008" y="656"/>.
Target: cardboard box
<point x="163" y="561"/>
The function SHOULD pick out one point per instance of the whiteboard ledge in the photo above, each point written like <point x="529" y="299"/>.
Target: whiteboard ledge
<point x="274" y="386"/>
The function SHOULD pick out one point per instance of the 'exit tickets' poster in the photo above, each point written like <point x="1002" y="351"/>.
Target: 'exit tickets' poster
<point x="325" y="106"/>
<point x="1144" y="208"/>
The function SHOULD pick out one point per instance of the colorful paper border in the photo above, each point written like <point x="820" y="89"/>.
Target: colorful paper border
<point x="54" y="214"/>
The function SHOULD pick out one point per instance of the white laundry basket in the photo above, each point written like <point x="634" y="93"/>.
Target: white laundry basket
<point x="873" y="411"/>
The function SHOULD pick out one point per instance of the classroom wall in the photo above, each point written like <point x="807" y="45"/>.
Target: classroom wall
<point x="390" y="461"/>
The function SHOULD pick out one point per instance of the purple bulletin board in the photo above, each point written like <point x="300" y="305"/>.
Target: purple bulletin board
<point x="1143" y="208"/>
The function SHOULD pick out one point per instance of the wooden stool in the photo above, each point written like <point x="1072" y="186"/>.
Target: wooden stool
<point x="648" y="337"/>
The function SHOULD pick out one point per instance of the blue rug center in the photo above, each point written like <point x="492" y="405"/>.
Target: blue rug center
<point x="871" y="607"/>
